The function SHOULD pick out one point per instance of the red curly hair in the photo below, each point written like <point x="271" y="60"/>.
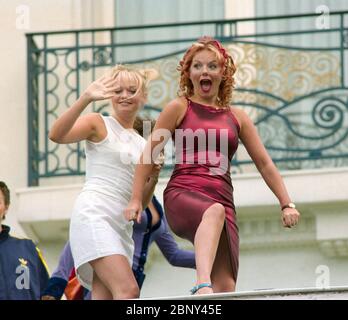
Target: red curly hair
<point x="227" y="83"/>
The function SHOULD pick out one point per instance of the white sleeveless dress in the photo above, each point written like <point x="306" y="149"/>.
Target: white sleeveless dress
<point x="98" y="227"/>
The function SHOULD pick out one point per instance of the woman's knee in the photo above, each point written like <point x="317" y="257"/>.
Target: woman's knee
<point x="131" y="291"/>
<point x="216" y="211"/>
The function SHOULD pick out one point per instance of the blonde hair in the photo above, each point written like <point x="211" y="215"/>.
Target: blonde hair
<point x="141" y="76"/>
<point x="227" y="83"/>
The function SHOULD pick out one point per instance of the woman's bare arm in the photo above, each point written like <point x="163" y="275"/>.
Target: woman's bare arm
<point x="70" y="126"/>
<point x="258" y="153"/>
<point x="164" y="128"/>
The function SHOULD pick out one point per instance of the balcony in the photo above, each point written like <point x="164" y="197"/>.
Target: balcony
<point x="292" y="86"/>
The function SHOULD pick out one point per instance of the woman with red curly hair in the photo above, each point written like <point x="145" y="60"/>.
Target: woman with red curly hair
<point x="198" y="199"/>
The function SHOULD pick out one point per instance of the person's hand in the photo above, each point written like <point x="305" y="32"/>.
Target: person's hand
<point x="160" y="159"/>
<point x="290" y="217"/>
<point x="157" y="166"/>
<point x="47" y="297"/>
<point x="133" y="211"/>
<point x="101" y="89"/>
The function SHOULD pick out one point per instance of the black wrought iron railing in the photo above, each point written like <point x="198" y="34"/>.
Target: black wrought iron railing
<point x="291" y="79"/>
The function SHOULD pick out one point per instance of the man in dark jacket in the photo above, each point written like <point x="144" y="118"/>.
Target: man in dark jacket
<point x="23" y="272"/>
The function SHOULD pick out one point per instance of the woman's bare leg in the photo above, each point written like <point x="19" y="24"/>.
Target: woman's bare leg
<point x="115" y="273"/>
<point x="206" y="243"/>
<point x="222" y="276"/>
<point x="99" y="290"/>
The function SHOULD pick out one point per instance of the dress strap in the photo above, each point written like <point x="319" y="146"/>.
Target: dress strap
<point x="234" y="119"/>
<point x="188" y="108"/>
<point x="106" y="122"/>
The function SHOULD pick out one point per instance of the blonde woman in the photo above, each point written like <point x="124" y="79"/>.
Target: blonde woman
<point x="100" y="236"/>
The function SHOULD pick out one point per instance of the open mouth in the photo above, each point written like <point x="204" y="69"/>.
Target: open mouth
<point x="125" y="103"/>
<point x="205" y="85"/>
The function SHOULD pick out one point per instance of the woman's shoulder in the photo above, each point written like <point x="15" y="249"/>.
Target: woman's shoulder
<point x="239" y="113"/>
<point x="96" y="116"/>
<point x="93" y="118"/>
<point x="242" y="117"/>
<point x="179" y="103"/>
<point x="98" y="123"/>
<point x="175" y="110"/>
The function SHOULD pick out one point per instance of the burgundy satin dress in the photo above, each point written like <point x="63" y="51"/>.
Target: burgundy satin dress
<point x="201" y="177"/>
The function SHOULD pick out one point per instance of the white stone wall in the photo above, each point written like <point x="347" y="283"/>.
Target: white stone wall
<point x="270" y="256"/>
<point x="17" y="18"/>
